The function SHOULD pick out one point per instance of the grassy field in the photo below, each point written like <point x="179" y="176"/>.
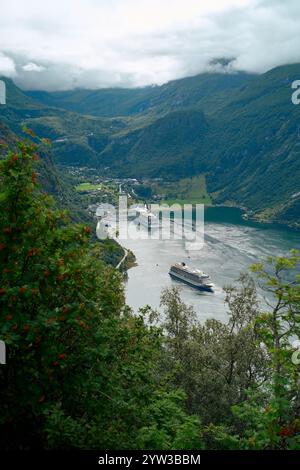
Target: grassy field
<point x="185" y="191"/>
<point x="88" y="187"/>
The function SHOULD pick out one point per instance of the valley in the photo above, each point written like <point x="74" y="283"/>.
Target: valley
<point x="238" y="131"/>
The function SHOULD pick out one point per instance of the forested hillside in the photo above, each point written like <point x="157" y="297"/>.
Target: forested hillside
<point x="241" y="131"/>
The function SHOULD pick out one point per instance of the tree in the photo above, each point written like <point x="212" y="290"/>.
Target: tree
<point x="272" y="412"/>
<point x="179" y="319"/>
<point x="214" y="363"/>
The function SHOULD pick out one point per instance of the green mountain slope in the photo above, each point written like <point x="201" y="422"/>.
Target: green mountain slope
<point x="248" y="149"/>
<point x="254" y="153"/>
<point x="241" y="131"/>
<point x="49" y="177"/>
<point x="208" y="91"/>
<point x="165" y="147"/>
<point x="71" y="133"/>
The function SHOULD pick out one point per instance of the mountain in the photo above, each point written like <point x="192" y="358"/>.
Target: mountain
<point x="206" y="90"/>
<point x="165" y="147"/>
<point x="49" y="177"/>
<point x="241" y="131"/>
<point x="254" y="156"/>
<point x="56" y="124"/>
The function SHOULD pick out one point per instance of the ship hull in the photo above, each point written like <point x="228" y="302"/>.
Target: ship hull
<point x="145" y="223"/>
<point x="201" y="287"/>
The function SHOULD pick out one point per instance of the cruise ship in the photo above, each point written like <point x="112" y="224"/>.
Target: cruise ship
<point x="146" y="218"/>
<point x="191" y="276"/>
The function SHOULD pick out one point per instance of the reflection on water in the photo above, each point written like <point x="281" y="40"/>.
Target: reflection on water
<point x="231" y="245"/>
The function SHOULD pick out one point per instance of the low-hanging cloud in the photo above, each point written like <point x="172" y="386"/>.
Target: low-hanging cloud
<point x="128" y="43"/>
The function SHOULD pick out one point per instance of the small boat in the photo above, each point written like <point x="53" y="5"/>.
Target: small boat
<point x="191" y="276"/>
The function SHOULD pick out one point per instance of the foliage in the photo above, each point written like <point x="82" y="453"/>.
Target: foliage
<point x="81" y="368"/>
<point x="214" y="363"/>
<point x="272" y="413"/>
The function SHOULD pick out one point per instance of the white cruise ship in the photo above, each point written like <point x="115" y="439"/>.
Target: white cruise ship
<point x="146" y="218"/>
<point x="191" y="276"/>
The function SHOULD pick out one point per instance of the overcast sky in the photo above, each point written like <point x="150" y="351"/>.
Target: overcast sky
<point x="64" y="44"/>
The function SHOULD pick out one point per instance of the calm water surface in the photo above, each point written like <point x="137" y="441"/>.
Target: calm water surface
<point x="231" y="246"/>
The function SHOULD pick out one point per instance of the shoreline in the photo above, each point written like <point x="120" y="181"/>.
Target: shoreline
<point x="249" y="215"/>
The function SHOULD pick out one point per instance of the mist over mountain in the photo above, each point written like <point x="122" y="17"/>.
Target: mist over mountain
<point x="132" y="43"/>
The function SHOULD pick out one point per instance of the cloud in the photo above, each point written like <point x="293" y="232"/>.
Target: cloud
<point x="7" y="66"/>
<point x="102" y="43"/>
<point x="32" y="67"/>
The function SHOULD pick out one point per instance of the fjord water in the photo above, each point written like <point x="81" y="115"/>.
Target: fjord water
<point x="232" y="244"/>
